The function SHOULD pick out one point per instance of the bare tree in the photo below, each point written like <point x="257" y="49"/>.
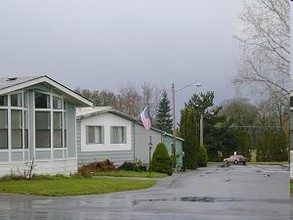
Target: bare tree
<point x="265" y="43"/>
<point x="151" y="96"/>
<point x="129" y="99"/>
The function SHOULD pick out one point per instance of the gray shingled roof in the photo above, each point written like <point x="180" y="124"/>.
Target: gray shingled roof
<point x="11" y="81"/>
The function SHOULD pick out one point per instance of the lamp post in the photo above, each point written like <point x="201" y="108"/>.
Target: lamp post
<point x="174" y="117"/>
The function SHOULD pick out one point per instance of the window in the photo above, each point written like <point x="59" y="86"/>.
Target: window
<point x="42" y="100"/>
<point x="16" y="100"/>
<point x="16" y="129"/>
<point x="57" y="125"/>
<point x="50" y="123"/>
<point x="118" y="135"/>
<point x="3" y="129"/>
<point x="94" y="134"/>
<point x="3" y="100"/>
<point x="43" y="130"/>
<point x="57" y="103"/>
<point x="25" y="128"/>
<point x="13" y="133"/>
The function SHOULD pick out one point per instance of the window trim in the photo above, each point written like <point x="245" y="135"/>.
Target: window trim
<point x="101" y="132"/>
<point x="64" y="128"/>
<point x="25" y="141"/>
<point x="124" y="135"/>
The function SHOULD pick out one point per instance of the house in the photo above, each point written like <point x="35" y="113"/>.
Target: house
<point x="37" y="123"/>
<point x="105" y="133"/>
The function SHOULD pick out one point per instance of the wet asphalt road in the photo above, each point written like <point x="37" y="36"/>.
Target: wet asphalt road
<point x="252" y="192"/>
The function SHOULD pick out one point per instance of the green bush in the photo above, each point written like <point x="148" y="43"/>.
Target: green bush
<point x="161" y="161"/>
<point x="132" y="166"/>
<point x="202" y="158"/>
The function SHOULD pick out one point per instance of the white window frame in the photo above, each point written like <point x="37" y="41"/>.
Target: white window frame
<point x="100" y="131"/>
<point x="64" y="128"/>
<point x="123" y="137"/>
<point x="24" y="121"/>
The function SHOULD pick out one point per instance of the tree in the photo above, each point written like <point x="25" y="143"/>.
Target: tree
<point x="202" y="156"/>
<point x="253" y="127"/>
<point x="129" y="99"/>
<point x="98" y="98"/>
<point x="240" y="112"/>
<point x="161" y="161"/>
<point x="189" y="131"/>
<point x="163" y="119"/>
<point x="150" y="97"/>
<point x="189" y="125"/>
<point x="265" y="43"/>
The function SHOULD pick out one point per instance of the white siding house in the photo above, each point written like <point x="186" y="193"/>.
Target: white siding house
<point x="37" y="122"/>
<point x="104" y="133"/>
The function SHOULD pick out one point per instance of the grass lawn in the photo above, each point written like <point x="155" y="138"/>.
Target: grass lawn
<point x="73" y="186"/>
<point x="123" y="173"/>
<point x="291" y="186"/>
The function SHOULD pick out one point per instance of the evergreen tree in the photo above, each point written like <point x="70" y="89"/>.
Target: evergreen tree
<point x="189" y="125"/>
<point x="163" y="119"/>
<point x="161" y="161"/>
<point x="189" y="131"/>
<point x="202" y="156"/>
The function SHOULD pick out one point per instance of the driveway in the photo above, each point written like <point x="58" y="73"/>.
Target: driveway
<point x="249" y="192"/>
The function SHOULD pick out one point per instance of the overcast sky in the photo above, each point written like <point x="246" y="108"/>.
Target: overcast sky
<point x="104" y="44"/>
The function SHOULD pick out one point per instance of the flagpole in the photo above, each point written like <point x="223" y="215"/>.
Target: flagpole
<point x="150" y="153"/>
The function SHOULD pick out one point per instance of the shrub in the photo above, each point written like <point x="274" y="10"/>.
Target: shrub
<point x="12" y="177"/>
<point x="132" y="166"/>
<point x="161" y="161"/>
<point x="202" y="158"/>
<point x="88" y="169"/>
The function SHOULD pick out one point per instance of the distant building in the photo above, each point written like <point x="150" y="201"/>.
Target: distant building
<point x="37" y="121"/>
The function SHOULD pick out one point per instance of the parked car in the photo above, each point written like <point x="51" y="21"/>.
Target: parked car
<point x="236" y="159"/>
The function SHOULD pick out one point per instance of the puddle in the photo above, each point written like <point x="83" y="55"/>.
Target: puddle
<point x="208" y="200"/>
<point x="197" y="199"/>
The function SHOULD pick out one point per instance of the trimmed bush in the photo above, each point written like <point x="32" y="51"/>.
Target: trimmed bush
<point x="161" y="161"/>
<point x="202" y="158"/>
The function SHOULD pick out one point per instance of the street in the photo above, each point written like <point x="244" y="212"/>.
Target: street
<point x="252" y="192"/>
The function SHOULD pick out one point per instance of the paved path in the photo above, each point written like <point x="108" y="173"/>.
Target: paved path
<point x="213" y="193"/>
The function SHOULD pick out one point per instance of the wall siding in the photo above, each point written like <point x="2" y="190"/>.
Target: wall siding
<point x="71" y="126"/>
<point x="168" y="141"/>
<point x="291" y="142"/>
<point x="63" y="166"/>
<point x="116" y="156"/>
<point x="142" y="139"/>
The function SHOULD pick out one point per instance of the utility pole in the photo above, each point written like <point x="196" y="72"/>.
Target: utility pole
<point x="174" y="126"/>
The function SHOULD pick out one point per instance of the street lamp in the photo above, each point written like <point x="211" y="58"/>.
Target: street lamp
<point x="174" y="116"/>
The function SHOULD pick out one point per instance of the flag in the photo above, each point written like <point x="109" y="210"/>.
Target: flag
<point x="146" y="118"/>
